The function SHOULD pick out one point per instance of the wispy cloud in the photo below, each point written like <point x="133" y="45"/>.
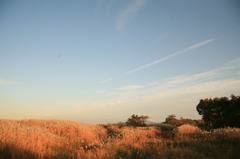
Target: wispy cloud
<point x="187" y="78"/>
<point x="223" y="78"/>
<point x="128" y="13"/>
<point x="232" y="64"/>
<point x="223" y="75"/>
<point x="130" y="87"/>
<point x="105" y="80"/>
<point x="171" y="56"/>
<point x="227" y="70"/>
<point x="178" y="93"/>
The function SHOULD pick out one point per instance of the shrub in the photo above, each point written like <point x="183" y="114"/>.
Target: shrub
<point x="167" y="131"/>
<point x="188" y="130"/>
<point x="227" y="133"/>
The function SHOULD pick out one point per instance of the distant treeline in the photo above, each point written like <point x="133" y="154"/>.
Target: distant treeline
<point x="171" y="119"/>
<point x="216" y="113"/>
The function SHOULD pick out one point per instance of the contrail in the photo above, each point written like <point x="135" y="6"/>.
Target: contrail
<point x="171" y="56"/>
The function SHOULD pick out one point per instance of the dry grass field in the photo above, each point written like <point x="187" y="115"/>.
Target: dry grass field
<point x="59" y="139"/>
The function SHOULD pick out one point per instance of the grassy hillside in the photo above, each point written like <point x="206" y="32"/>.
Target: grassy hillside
<point x="40" y="139"/>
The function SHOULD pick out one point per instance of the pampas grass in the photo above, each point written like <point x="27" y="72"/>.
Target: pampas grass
<point x="60" y="139"/>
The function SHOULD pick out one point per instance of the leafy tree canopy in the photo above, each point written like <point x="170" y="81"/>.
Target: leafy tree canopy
<point x="220" y="112"/>
<point x="136" y="120"/>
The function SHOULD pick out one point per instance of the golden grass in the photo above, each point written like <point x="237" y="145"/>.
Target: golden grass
<point x="60" y="139"/>
<point x="188" y="129"/>
<point x="49" y="138"/>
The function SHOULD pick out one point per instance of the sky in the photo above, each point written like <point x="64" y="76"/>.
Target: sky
<point x="100" y="61"/>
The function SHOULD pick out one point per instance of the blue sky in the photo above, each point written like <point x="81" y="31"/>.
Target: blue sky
<point x="100" y="61"/>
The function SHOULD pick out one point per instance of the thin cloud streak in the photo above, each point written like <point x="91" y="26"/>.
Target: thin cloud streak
<point x="227" y="70"/>
<point x="105" y="80"/>
<point x="171" y="56"/>
<point x="196" y="77"/>
<point x="128" y="13"/>
<point x="130" y="87"/>
<point x="216" y="82"/>
<point x="208" y="89"/>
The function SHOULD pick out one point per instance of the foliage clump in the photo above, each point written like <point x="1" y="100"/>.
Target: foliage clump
<point x="188" y="129"/>
<point x="136" y="120"/>
<point x="220" y="112"/>
<point x="172" y="120"/>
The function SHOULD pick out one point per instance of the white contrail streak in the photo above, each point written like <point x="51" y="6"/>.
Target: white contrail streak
<point x="171" y="56"/>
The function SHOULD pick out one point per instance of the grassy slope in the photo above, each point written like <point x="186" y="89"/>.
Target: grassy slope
<point x="68" y="139"/>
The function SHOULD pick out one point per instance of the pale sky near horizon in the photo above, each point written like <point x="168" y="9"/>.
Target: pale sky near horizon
<point x="100" y="61"/>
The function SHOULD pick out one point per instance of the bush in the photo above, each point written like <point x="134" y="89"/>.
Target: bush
<point x="227" y="133"/>
<point x="188" y="130"/>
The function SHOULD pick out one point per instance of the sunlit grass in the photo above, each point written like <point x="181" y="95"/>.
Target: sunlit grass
<point x="67" y="139"/>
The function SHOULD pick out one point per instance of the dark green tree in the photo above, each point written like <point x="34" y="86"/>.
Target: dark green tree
<point x="220" y="112"/>
<point x="171" y="119"/>
<point x="136" y="120"/>
<point x="233" y="112"/>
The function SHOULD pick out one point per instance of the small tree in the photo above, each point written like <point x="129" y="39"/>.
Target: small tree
<point x="136" y="120"/>
<point x="170" y="118"/>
